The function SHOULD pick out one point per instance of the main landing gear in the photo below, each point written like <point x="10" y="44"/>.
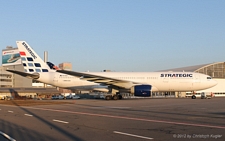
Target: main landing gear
<point x="193" y="97"/>
<point x="114" y="97"/>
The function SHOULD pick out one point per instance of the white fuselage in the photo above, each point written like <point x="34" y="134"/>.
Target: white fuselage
<point x="160" y="81"/>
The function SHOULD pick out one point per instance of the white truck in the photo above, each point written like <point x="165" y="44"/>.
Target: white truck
<point x="206" y="95"/>
<point x="109" y="96"/>
<point x="57" y="97"/>
<point x="2" y="97"/>
<point x="69" y="95"/>
<point x="5" y="97"/>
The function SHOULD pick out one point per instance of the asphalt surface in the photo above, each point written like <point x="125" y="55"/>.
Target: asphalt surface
<point x="128" y="120"/>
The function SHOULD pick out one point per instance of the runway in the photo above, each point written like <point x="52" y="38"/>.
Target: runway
<point x="130" y="119"/>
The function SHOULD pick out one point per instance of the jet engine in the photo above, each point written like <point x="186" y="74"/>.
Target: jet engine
<point x="141" y="90"/>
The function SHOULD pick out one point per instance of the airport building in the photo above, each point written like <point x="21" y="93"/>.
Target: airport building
<point x="65" y="66"/>
<point x="11" y="60"/>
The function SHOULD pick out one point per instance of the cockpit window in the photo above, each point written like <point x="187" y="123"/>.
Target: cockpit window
<point x="209" y="77"/>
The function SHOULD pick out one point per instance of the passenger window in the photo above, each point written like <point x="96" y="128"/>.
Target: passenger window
<point x="31" y="70"/>
<point x="209" y="78"/>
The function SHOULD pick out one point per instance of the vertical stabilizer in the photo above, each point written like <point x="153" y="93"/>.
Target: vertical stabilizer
<point x="30" y="59"/>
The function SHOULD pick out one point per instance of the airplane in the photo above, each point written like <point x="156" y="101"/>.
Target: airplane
<point x="137" y="83"/>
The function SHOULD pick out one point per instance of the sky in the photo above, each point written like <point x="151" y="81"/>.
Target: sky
<point x="118" y="35"/>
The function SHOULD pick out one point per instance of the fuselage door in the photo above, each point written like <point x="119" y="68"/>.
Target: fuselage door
<point x="196" y="81"/>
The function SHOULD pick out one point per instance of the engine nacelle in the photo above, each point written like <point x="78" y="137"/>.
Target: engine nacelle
<point x="141" y="90"/>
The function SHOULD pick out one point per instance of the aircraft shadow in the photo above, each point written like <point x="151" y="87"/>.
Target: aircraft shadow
<point x="34" y="135"/>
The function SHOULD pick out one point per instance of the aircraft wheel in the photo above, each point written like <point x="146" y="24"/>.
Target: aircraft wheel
<point x="108" y="97"/>
<point x="193" y="97"/>
<point x="115" y="97"/>
<point x="120" y="97"/>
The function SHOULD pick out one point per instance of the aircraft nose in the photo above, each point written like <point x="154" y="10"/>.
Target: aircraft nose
<point x="213" y="83"/>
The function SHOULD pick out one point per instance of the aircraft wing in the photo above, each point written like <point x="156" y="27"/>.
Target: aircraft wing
<point x="24" y="74"/>
<point x="100" y="79"/>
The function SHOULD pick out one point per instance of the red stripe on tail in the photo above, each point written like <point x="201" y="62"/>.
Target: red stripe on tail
<point x="22" y="53"/>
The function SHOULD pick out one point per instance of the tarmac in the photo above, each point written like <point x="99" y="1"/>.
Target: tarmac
<point x="128" y="119"/>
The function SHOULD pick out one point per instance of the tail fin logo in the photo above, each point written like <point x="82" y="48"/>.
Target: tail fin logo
<point x="29" y="50"/>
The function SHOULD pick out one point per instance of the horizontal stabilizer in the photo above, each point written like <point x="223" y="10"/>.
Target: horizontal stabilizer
<point x="24" y="74"/>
